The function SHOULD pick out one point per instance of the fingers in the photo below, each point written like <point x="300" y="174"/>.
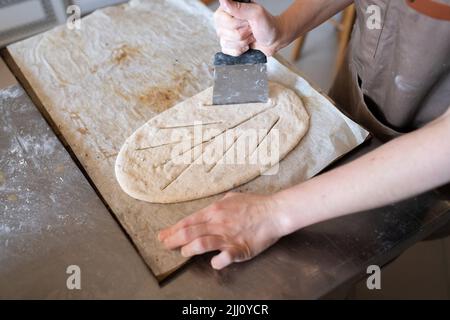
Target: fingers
<point x="186" y="235"/>
<point x="236" y="48"/>
<point x="195" y="218"/>
<point x="228" y="255"/>
<point x="225" y="258"/>
<point x="200" y="217"/>
<point x="202" y="245"/>
<point x="244" y="11"/>
<point x="234" y="34"/>
<point x="268" y="51"/>
<point x="224" y="20"/>
<point x="239" y="24"/>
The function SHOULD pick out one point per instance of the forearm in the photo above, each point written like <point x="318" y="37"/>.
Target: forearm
<point x="304" y="15"/>
<point x="402" y="168"/>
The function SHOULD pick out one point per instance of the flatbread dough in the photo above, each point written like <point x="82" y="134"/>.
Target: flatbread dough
<point x="194" y="149"/>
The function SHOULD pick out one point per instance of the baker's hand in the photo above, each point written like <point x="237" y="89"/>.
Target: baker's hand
<point x="241" y="26"/>
<point x="239" y="225"/>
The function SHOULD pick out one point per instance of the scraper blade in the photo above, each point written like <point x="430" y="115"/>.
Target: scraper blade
<point x="240" y="79"/>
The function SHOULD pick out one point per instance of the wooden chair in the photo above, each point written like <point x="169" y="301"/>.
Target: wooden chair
<point x="344" y="28"/>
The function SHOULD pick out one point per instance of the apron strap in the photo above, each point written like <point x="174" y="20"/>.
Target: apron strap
<point x="431" y="8"/>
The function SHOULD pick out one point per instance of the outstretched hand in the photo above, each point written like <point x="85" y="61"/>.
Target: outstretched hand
<point x="240" y="226"/>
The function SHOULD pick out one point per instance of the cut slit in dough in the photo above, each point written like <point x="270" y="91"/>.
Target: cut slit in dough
<point x="195" y="150"/>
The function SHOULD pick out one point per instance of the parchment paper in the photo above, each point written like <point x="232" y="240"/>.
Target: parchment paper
<point x="331" y="133"/>
<point x="126" y="64"/>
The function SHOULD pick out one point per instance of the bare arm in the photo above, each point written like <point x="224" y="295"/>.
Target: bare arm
<point x="304" y="15"/>
<point x="243" y="225"/>
<point x="402" y="168"/>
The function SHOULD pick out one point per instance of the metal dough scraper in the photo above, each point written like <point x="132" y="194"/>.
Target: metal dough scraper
<point x="240" y="79"/>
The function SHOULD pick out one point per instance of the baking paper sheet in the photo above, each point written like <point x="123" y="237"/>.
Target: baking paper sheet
<point x="330" y="136"/>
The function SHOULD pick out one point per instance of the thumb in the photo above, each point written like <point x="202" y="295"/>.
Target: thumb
<point x="240" y="10"/>
<point x="226" y="257"/>
<point x="222" y="260"/>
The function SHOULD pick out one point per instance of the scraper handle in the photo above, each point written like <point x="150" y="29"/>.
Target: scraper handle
<point x="252" y="56"/>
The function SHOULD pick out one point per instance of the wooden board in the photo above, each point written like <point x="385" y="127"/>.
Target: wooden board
<point x="97" y="85"/>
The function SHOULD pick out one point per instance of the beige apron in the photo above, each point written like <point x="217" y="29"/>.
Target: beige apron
<point x="396" y="78"/>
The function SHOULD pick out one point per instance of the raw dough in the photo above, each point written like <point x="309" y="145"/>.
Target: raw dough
<point x="195" y="150"/>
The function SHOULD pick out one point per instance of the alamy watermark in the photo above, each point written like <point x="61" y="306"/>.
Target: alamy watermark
<point x="374" y="20"/>
<point x="73" y="281"/>
<point x="373" y="281"/>
<point x="213" y="147"/>
<point x="74" y="17"/>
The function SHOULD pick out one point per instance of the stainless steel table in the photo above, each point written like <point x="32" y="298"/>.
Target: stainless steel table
<point x="51" y="217"/>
